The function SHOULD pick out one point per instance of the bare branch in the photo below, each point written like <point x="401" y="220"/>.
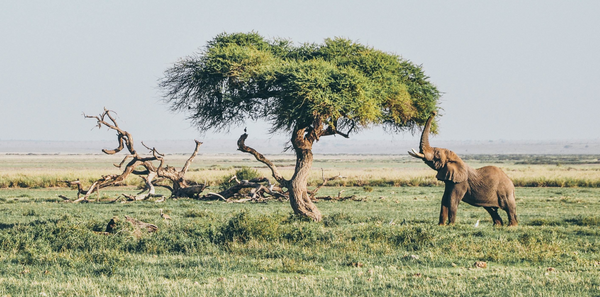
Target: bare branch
<point x="191" y="158"/>
<point x="64" y="198"/>
<point x="325" y="180"/>
<point x="331" y="130"/>
<point x="215" y="194"/>
<point x="259" y="157"/>
<point x="123" y="137"/>
<point x="123" y="161"/>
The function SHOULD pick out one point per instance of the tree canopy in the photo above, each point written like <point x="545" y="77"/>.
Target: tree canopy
<point x="340" y="83"/>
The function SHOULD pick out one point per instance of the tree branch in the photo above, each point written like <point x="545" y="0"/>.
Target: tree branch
<point x="325" y="180"/>
<point x="124" y="137"/>
<point x="331" y="130"/>
<point x="259" y="157"/>
<point x="191" y="158"/>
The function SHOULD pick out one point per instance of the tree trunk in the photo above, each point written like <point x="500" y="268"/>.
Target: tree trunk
<point x="297" y="185"/>
<point x="299" y="198"/>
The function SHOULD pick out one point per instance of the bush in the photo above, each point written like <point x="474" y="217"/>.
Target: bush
<point x="242" y="228"/>
<point x="244" y="173"/>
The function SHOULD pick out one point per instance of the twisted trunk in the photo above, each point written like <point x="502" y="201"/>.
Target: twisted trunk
<point x="297" y="185"/>
<point x="299" y="197"/>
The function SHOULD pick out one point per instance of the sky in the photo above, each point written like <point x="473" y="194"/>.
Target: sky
<point x="508" y="70"/>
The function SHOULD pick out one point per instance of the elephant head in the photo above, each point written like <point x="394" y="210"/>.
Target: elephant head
<point x="448" y="165"/>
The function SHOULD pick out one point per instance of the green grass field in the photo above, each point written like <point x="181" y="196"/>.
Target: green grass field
<point x="385" y="242"/>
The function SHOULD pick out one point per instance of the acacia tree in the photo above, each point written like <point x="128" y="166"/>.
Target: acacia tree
<point x="308" y="91"/>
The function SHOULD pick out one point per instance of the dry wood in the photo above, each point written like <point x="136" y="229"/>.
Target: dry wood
<point x="261" y="158"/>
<point x="260" y="187"/>
<point x="216" y="195"/>
<point x="142" y="225"/>
<point x="325" y="180"/>
<point x="132" y="161"/>
<point x="338" y="198"/>
<point x="65" y="198"/>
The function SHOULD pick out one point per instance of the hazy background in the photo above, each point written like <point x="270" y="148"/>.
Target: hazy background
<point x="511" y="71"/>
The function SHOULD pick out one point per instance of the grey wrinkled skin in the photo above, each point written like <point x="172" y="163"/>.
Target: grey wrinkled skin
<point x="488" y="187"/>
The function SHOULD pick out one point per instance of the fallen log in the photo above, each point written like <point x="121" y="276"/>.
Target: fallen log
<point x="142" y="225"/>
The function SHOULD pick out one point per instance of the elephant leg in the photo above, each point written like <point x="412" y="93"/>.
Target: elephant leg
<point x="512" y="218"/>
<point x="443" y="215"/>
<point x="493" y="211"/>
<point x="457" y="194"/>
<point x="511" y="211"/>
<point x="452" y="212"/>
<point x="445" y="205"/>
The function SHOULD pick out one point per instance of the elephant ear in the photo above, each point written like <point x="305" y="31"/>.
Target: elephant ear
<point x="455" y="170"/>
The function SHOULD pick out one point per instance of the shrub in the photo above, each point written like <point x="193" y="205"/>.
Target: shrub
<point x="242" y="228"/>
<point x="413" y="238"/>
<point x="244" y="173"/>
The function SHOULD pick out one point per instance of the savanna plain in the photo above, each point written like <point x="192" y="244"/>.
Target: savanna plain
<point x="381" y="241"/>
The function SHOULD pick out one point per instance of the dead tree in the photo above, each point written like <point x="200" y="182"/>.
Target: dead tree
<point x="181" y="187"/>
<point x="261" y="190"/>
<point x="95" y="187"/>
<point x="141" y="166"/>
<point x="80" y="190"/>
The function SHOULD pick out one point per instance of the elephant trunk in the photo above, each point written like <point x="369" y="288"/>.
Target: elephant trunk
<point x="425" y="150"/>
<point x="424" y="147"/>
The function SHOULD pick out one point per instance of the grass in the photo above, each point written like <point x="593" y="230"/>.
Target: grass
<point x="47" y="171"/>
<point x="382" y="244"/>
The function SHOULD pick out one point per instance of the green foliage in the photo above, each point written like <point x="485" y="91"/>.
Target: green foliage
<point x="244" y="173"/>
<point x="340" y="83"/>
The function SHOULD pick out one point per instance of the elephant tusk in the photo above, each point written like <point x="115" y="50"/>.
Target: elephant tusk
<point x="420" y="155"/>
<point x="416" y="154"/>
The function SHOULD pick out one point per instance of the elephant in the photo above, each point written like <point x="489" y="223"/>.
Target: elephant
<point x="488" y="187"/>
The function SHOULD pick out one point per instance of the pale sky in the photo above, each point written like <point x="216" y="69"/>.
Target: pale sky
<point x="509" y="70"/>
